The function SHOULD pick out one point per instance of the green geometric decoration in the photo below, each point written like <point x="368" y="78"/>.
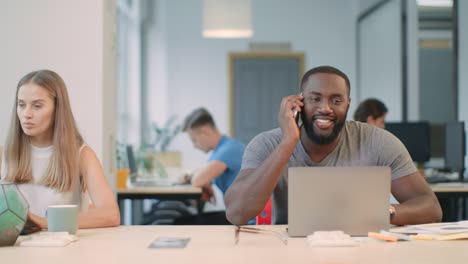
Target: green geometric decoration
<point x="3" y="203"/>
<point x="13" y="213"/>
<point x="16" y="201"/>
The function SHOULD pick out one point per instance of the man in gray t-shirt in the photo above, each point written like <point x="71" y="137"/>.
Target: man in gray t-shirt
<point x="324" y="139"/>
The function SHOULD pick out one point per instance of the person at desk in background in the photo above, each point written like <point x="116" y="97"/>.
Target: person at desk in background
<point x="223" y="164"/>
<point x="46" y="156"/>
<point x="225" y="160"/>
<point x="324" y="139"/>
<point x="371" y="111"/>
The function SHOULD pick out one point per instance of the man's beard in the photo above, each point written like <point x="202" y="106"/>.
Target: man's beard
<point x="318" y="139"/>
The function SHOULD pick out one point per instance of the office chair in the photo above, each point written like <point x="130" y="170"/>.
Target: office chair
<point x="264" y="218"/>
<point x="166" y="213"/>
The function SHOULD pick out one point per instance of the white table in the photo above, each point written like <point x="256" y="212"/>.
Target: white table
<point x="215" y="244"/>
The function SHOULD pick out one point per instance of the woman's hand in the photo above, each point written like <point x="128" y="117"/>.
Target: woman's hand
<point x="37" y="220"/>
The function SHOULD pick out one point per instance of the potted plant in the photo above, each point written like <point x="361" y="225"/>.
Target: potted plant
<point x="155" y="155"/>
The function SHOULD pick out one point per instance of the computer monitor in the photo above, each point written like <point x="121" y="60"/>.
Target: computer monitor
<point x="437" y="135"/>
<point x="455" y="147"/>
<point x="416" y="138"/>
<point x="131" y="160"/>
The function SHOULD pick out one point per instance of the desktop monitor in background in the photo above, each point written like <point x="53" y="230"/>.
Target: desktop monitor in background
<point x="416" y="138"/>
<point x="437" y="135"/>
<point x="131" y="160"/>
<point x="455" y="147"/>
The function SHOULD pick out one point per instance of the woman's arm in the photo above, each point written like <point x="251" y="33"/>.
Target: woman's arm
<point x="105" y="212"/>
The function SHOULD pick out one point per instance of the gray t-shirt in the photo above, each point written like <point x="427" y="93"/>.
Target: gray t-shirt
<point x="359" y="144"/>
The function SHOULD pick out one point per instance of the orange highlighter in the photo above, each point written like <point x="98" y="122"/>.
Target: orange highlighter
<point x="382" y="237"/>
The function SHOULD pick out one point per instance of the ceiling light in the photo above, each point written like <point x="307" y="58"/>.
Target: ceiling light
<point x="227" y="19"/>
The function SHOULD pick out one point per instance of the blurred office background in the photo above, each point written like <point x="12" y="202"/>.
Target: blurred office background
<point x="131" y="63"/>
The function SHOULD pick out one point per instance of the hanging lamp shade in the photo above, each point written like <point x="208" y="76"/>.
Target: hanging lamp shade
<point x="227" y="19"/>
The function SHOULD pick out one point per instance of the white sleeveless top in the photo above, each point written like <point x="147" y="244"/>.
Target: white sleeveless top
<point x="39" y="196"/>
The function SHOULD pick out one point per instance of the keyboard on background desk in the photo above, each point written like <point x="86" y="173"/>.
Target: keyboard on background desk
<point x="142" y="182"/>
<point x="436" y="176"/>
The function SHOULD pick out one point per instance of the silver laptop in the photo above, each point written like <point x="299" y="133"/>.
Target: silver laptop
<point x="352" y="199"/>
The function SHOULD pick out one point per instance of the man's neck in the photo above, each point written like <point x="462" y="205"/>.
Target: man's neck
<point x="317" y="152"/>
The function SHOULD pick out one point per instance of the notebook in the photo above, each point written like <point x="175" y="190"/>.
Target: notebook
<point x="354" y="200"/>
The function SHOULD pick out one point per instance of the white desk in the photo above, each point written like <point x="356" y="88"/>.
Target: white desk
<point x="450" y="187"/>
<point x="215" y="244"/>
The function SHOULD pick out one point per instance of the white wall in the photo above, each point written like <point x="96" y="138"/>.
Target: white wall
<point x="412" y="41"/>
<point x="197" y="68"/>
<point x="379" y="58"/>
<point x="364" y="5"/>
<point x="391" y="71"/>
<point x="463" y="66"/>
<point x="66" y="36"/>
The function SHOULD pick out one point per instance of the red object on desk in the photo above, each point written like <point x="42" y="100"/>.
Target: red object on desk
<point x="264" y="218"/>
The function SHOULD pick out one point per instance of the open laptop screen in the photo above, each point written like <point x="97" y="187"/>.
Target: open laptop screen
<point x="351" y="199"/>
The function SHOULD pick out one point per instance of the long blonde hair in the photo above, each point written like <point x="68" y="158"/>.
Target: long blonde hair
<point x="63" y="171"/>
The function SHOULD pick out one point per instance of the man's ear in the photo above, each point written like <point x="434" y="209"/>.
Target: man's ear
<point x="349" y="103"/>
<point x="370" y="120"/>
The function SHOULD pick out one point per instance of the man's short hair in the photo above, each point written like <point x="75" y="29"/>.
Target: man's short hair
<point x="370" y="107"/>
<point x="197" y="118"/>
<point x="325" y="69"/>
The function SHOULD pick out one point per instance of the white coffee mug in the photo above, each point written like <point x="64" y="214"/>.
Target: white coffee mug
<point x="62" y="218"/>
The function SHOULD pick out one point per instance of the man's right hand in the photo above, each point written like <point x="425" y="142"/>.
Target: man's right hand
<point x="208" y="194"/>
<point x="286" y="118"/>
<point x="252" y="188"/>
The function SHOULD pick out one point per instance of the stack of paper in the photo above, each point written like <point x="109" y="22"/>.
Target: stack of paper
<point x="49" y="239"/>
<point x="438" y="231"/>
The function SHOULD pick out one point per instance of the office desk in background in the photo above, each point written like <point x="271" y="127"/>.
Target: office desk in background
<point x="215" y="244"/>
<point x="452" y="197"/>
<point x="137" y="194"/>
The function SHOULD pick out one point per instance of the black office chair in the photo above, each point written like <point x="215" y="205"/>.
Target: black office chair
<point x="166" y="213"/>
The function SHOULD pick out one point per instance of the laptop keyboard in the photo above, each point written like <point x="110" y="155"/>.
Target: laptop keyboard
<point x="153" y="182"/>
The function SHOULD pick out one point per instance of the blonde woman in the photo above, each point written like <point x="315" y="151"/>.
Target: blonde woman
<point x="46" y="156"/>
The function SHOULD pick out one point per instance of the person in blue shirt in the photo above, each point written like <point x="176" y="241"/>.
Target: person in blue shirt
<point x="223" y="164"/>
<point x="226" y="153"/>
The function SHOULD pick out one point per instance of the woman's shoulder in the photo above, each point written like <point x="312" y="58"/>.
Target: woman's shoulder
<point x="86" y="152"/>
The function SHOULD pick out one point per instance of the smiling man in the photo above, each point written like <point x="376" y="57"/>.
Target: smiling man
<point x="324" y="139"/>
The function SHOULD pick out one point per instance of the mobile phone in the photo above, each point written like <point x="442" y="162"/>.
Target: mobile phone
<point x="296" y="114"/>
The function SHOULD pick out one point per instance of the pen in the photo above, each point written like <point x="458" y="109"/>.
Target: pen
<point x="397" y="235"/>
<point x="382" y="237"/>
